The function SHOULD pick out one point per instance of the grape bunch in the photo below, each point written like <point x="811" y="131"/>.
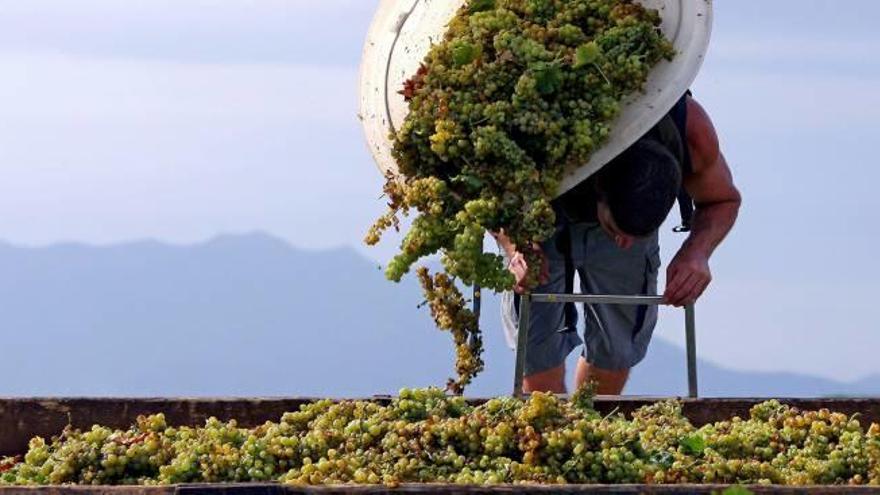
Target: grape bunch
<point x="427" y="436"/>
<point x="517" y="92"/>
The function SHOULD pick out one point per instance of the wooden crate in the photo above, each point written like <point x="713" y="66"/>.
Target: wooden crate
<point x="22" y="419"/>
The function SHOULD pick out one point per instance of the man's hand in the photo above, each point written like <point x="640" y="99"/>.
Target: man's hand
<point x="519" y="267"/>
<point x="687" y="278"/>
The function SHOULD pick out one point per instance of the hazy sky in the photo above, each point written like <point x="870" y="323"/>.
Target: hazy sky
<point x="181" y="120"/>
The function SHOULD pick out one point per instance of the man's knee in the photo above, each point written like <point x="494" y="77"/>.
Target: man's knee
<point x="608" y="381"/>
<point x="551" y="381"/>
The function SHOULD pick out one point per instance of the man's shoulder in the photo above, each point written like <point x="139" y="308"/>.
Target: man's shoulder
<point x="702" y="139"/>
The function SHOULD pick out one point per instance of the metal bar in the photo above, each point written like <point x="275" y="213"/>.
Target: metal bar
<point x="478" y="305"/>
<point x="690" y="322"/>
<point x="525" y="303"/>
<point x="691" y="333"/>
<point x="522" y="339"/>
<point x="581" y="298"/>
<point x="478" y="301"/>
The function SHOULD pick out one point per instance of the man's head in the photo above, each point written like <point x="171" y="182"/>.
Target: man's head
<point x="637" y="190"/>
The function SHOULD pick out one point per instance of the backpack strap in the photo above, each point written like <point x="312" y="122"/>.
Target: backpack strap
<point x="685" y="202"/>
<point x="564" y="245"/>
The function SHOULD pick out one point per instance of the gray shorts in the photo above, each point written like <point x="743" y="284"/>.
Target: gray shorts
<point x="616" y="337"/>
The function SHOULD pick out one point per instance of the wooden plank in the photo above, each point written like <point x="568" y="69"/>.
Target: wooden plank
<point x="22" y="419"/>
<point x="91" y="490"/>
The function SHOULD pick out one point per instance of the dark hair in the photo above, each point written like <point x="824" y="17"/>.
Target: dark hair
<point x="641" y="186"/>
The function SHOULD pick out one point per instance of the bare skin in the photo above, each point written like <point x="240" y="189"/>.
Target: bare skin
<point x="689" y="274"/>
<point x="607" y="382"/>
<point x="552" y="381"/>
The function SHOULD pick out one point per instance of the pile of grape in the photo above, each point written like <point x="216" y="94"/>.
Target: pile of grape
<point x="516" y="92"/>
<point x="425" y="436"/>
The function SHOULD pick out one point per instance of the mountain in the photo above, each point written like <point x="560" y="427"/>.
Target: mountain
<point x="664" y="372"/>
<point x="250" y="315"/>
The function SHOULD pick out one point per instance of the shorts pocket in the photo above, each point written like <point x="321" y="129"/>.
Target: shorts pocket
<point x="647" y="315"/>
<point x="653" y="265"/>
<point x="652" y="272"/>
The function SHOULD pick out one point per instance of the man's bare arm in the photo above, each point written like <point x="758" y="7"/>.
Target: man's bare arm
<point x="718" y="201"/>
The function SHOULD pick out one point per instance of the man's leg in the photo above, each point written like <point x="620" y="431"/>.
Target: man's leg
<point x="616" y="336"/>
<point x="552" y="381"/>
<point x="608" y="382"/>
<point x="552" y="327"/>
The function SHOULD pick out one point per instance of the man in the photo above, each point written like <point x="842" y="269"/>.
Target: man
<point x="607" y="232"/>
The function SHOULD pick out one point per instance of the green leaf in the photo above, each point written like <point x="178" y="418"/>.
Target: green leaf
<point x="480" y="5"/>
<point x="469" y="180"/>
<point x="464" y="53"/>
<point x="694" y="445"/>
<point x="737" y="490"/>
<point x="548" y="77"/>
<point x="663" y="459"/>
<point x="586" y="54"/>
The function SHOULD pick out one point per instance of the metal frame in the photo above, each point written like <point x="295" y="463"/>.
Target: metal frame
<point x="527" y="300"/>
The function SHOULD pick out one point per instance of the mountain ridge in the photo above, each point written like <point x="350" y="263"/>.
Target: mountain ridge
<point x="250" y="314"/>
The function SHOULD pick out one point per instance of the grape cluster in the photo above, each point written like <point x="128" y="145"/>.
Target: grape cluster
<point x="447" y="308"/>
<point x="426" y="436"/>
<point x="515" y="93"/>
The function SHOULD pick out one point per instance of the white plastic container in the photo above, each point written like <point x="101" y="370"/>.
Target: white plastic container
<point x="403" y="31"/>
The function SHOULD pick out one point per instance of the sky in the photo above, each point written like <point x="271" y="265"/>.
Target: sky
<point x="179" y="121"/>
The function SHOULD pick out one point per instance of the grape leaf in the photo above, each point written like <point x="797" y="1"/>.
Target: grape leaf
<point x="415" y="83"/>
<point x="737" y="490"/>
<point x="693" y="445"/>
<point x="586" y="54"/>
<point x="663" y="459"/>
<point x="464" y="53"/>
<point x="480" y="5"/>
<point x="548" y="77"/>
<point x="469" y="180"/>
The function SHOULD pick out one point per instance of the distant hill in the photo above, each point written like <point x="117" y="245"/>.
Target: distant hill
<point x="250" y="315"/>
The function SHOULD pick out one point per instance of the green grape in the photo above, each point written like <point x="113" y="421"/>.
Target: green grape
<point x="426" y="436"/>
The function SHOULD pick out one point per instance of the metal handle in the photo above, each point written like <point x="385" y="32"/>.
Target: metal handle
<point x="525" y="314"/>
<point x="690" y="326"/>
<point x="522" y="339"/>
